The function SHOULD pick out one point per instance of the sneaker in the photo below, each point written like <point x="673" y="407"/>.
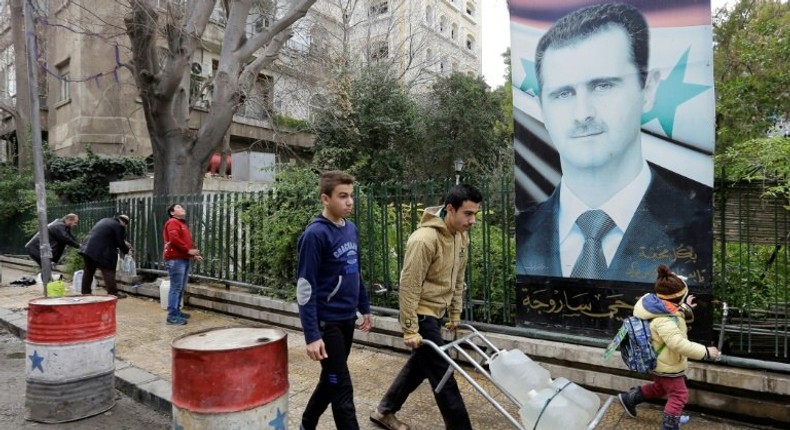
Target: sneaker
<point x="184" y="315"/>
<point x="388" y="421"/>
<point x="119" y="295"/>
<point x="176" y="321"/>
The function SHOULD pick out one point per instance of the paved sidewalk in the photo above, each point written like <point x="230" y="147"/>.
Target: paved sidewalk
<point x="143" y="369"/>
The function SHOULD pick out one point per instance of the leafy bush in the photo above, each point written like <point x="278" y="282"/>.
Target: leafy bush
<point x="760" y="160"/>
<point x="292" y="123"/>
<point x="490" y="279"/>
<point x="754" y="276"/>
<point x="17" y="192"/>
<point x="85" y="179"/>
<point x="276" y="222"/>
<point x="73" y="261"/>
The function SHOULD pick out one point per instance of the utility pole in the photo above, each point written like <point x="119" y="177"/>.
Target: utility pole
<point x="38" y="153"/>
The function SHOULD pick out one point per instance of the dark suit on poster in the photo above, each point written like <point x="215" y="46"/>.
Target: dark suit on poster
<point x="672" y="225"/>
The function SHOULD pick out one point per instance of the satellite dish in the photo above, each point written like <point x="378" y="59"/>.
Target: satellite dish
<point x="197" y="68"/>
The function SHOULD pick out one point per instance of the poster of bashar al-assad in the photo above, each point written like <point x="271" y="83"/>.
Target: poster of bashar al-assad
<point x="614" y="124"/>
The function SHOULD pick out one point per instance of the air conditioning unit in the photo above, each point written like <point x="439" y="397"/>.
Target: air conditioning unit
<point x="254" y="166"/>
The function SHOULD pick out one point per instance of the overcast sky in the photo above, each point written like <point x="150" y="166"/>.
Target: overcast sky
<point x="496" y="37"/>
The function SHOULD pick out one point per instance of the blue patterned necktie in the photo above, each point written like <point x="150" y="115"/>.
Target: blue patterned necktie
<point x="591" y="264"/>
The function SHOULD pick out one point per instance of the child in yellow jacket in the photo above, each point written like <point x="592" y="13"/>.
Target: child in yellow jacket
<point x="668" y="309"/>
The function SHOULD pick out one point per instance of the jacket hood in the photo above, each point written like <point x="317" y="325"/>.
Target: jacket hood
<point x="433" y="217"/>
<point x="650" y="306"/>
<point x="320" y="219"/>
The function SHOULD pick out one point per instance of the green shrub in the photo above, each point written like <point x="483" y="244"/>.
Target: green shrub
<point x="754" y="276"/>
<point x="17" y="192"/>
<point x="276" y="222"/>
<point x="85" y="179"/>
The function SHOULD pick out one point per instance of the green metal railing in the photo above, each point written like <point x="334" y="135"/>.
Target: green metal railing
<point x="750" y="267"/>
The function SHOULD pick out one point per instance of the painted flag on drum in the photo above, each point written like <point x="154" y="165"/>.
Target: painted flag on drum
<point x="230" y="378"/>
<point x="70" y="349"/>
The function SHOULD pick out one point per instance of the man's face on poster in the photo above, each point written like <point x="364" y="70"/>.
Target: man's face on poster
<point x="592" y="101"/>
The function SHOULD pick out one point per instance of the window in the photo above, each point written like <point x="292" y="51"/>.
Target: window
<point x="316" y="105"/>
<point x="380" y="51"/>
<point x="470" y="9"/>
<point x="258" y="103"/>
<point x="261" y="24"/>
<point x="454" y="31"/>
<point x="8" y="72"/>
<point x="442" y="24"/>
<point x="162" y="4"/>
<point x="379" y="8"/>
<point x="470" y="43"/>
<point x="11" y="81"/>
<point x="301" y="41"/>
<point x="218" y="15"/>
<point x="63" y="78"/>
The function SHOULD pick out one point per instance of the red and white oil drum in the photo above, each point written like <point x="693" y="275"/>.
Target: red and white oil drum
<point x="230" y="378"/>
<point x="70" y="366"/>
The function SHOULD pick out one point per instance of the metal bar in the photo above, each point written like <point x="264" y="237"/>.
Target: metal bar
<point x="474" y="384"/>
<point x="45" y="249"/>
<point x="600" y="413"/>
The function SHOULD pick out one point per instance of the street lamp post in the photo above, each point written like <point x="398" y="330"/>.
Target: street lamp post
<point x="459" y="166"/>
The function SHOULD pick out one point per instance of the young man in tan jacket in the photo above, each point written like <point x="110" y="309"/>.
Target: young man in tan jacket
<point x="432" y="285"/>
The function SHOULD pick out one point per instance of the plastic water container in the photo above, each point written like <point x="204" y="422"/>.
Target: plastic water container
<point x="164" y="294"/>
<point x="518" y="374"/>
<point x="588" y="401"/>
<point x="76" y="283"/>
<point x="550" y="410"/>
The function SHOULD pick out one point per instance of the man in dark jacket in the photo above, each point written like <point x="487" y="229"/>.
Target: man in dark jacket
<point x="59" y="236"/>
<point x="100" y="251"/>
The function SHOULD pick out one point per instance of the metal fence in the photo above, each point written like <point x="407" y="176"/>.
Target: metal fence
<point x="241" y="248"/>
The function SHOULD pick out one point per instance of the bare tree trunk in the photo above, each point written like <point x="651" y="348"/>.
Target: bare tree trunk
<point x="181" y="155"/>
<point x="224" y="154"/>
<point x="22" y="117"/>
<point x="177" y="171"/>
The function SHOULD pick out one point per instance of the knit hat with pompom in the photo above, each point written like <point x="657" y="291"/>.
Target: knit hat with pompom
<point x="670" y="286"/>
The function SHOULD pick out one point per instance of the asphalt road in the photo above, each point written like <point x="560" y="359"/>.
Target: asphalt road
<point x="127" y="414"/>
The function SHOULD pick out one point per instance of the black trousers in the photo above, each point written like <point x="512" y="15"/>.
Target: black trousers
<point x="424" y="363"/>
<point x="90" y="271"/>
<point x="334" y="386"/>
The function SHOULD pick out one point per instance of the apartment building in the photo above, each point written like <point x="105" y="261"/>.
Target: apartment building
<point x="88" y="96"/>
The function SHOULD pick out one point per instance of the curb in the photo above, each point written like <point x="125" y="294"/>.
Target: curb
<point x="140" y="385"/>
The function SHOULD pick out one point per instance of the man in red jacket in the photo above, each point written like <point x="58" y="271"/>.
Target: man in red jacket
<point x="179" y="250"/>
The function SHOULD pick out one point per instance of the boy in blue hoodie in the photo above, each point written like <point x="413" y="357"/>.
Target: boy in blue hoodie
<point x="330" y="291"/>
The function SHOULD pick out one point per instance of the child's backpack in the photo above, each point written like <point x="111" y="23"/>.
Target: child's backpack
<point x="635" y="344"/>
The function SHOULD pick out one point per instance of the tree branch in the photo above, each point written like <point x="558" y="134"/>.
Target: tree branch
<point x="298" y="11"/>
<point x="250" y="72"/>
<point x="182" y="41"/>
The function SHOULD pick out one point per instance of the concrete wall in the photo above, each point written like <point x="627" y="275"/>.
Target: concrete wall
<point x="722" y="390"/>
<point x="143" y="187"/>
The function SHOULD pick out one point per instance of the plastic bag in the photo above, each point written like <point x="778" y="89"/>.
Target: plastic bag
<point x="56" y="289"/>
<point x="128" y="265"/>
